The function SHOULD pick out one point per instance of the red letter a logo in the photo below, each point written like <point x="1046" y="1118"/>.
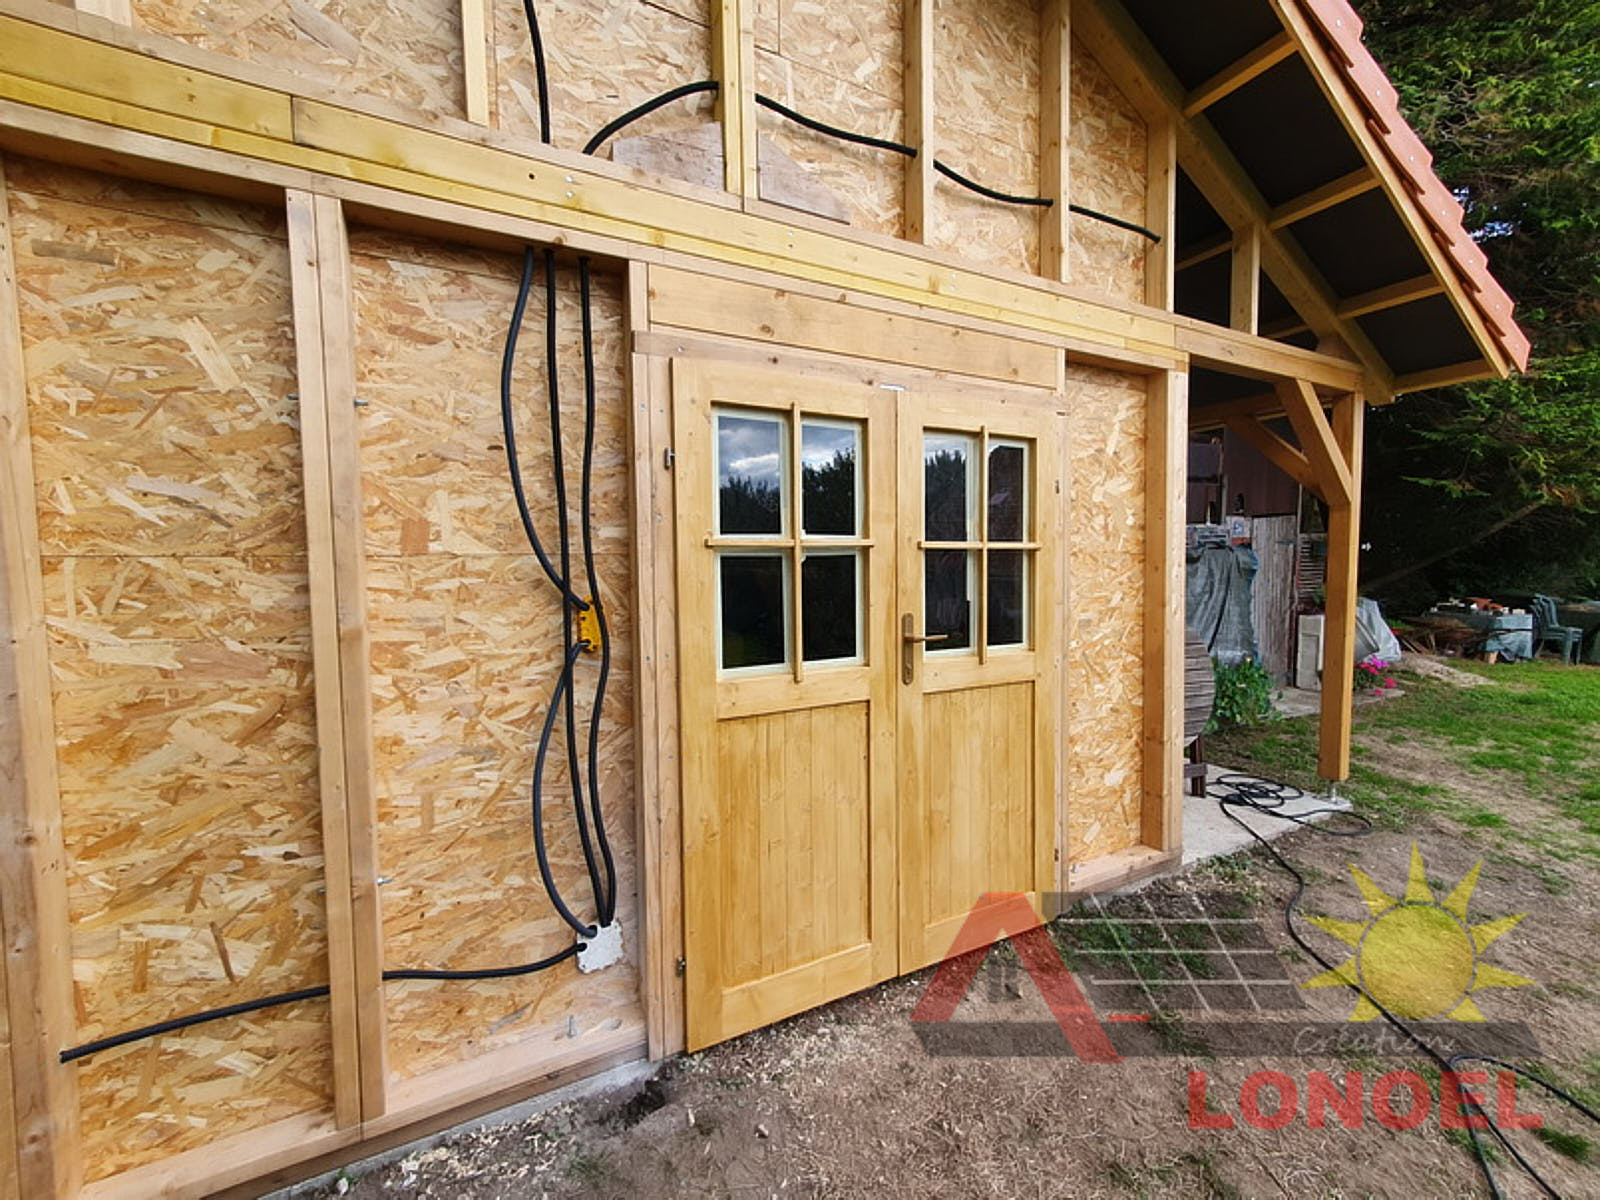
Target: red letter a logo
<point x="997" y="915"/>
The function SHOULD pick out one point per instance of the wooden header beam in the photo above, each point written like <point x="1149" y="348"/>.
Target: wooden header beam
<point x="1234" y="76"/>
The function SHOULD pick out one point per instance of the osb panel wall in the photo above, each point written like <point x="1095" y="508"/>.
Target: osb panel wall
<point x="466" y="646"/>
<point x="603" y="57"/>
<point x="159" y="354"/>
<point x="986" y="96"/>
<point x="405" y="52"/>
<point x="1105" y="563"/>
<point x="841" y="63"/>
<point x="1108" y="171"/>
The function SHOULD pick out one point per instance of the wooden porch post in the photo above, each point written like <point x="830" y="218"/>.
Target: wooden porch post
<point x="1339" y="625"/>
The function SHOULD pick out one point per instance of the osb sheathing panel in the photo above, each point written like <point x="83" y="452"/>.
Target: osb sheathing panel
<point x="841" y="63"/>
<point x="986" y="97"/>
<point x="1105" y="559"/>
<point x="1108" y="171"/>
<point x="603" y="57"/>
<point x="156" y="327"/>
<point x="405" y="52"/>
<point x="466" y="647"/>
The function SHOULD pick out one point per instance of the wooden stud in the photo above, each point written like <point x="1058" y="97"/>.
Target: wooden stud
<point x="1392" y="296"/>
<point x="1462" y="372"/>
<point x="1330" y="194"/>
<point x="1304" y="409"/>
<point x="1234" y="76"/>
<point x="1275" y="449"/>
<point x="1341" y="589"/>
<point x="33" y="866"/>
<point x="733" y="54"/>
<point x="1055" y="124"/>
<point x="1166" y="468"/>
<point x="1244" y="294"/>
<point x="920" y="125"/>
<point x="1161" y="200"/>
<point x="475" y="61"/>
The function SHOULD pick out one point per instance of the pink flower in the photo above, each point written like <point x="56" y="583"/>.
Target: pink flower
<point x="1388" y="683"/>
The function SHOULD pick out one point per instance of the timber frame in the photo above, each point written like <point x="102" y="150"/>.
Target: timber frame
<point x="84" y="87"/>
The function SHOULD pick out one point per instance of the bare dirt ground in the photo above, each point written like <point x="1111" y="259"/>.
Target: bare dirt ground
<point x="846" y="1101"/>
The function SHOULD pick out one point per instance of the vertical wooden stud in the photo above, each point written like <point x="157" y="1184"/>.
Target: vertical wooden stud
<point x="475" y="59"/>
<point x="1342" y="584"/>
<point x="1161" y="199"/>
<point x="33" y="880"/>
<point x="1055" y="127"/>
<point x="1245" y="290"/>
<point x="733" y="43"/>
<point x="1166" y="468"/>
<point x="655" y="598"/>
<point x="919" y="122"/>
<point x="324" y="339"/>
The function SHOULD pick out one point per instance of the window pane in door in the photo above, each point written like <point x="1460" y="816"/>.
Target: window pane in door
<point x="830" y="458"/>
<point x="1008" y="597"/>
<point x="751" y="598"/>
<point x="749" y="475"/>
<point x="830" y="606"/>
<point x="947" y="487"/>
<point x="947" y="598"/>
<point x="1008" y="500"/>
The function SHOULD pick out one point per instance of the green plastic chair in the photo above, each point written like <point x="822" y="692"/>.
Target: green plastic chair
<point x="1566" y="638"/>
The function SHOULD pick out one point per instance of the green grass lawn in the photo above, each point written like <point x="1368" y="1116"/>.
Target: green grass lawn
<point x="1535" y="733"/>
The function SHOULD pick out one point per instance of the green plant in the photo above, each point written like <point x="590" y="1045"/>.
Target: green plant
<point x="1244" y="695"/>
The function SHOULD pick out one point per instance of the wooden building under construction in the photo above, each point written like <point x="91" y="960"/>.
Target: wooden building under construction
<point x="897" y="330"/>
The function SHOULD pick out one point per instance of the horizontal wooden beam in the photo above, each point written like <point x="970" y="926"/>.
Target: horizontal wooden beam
<point x="1285" y="327"/>
<point x="1263" y="406"/>
<point x="1276" y="450"/>
<point x="1238" y="353"/>
<point x="1234" y="76"/>
<point x="1311" y="429"/>
<point x="1462" y="372"/>
<point x="1392" y="296"/>
<point x="1318" y="199"/>
<point x="1204" y="251"/>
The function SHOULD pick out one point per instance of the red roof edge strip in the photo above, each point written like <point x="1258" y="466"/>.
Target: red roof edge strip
<point x="1366" y="79"/>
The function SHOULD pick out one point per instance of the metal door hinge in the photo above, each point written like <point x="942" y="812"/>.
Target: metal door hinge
<point x="668" y="457"/>
<point x="683" y="967"/>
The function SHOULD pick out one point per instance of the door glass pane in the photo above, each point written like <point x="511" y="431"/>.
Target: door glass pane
<point x="830" y="458"/>
<point x="755" y="628"/>
<point x="749" y="474"/>
<point x="947" y="598"/>
<point x="947" y="487"/>
<point x="1008" y="597"/>
<point x="1008" y="499"/>
<point x="830" y="606"/>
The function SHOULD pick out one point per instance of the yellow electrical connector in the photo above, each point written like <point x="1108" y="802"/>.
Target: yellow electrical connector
<point x="589" y="628"/>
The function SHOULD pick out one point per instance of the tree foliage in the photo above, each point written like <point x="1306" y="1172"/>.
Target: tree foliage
<point x="1506" y="94"/>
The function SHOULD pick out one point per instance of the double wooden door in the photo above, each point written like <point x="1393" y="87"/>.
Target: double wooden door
<point x="868" y="631"/>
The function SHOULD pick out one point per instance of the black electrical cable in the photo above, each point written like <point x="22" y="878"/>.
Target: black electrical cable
<point x="540" y="73"/>
<point x="1268" y="798"/>
<point x="310" y="993"/>
<point x="1107" y="218"/>
<point x="844" y="135"/>
<point x="644" y="110"/>
<point x="951" y="173"/>
<point x="563" y="685"/>
<point x="608" y="906"/>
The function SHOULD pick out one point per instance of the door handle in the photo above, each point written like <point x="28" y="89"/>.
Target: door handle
<point x="909" y="641"/>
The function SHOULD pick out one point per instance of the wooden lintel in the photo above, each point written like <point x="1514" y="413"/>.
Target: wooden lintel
<point x="1462" y="372"/>
<point x="1276" y="450"/>
<point x="1055" y="124"/>
<point x="1319" y="199"/>
<point x="1304" y="410"/>
<point x="1234" y="76"/>
<point x="1244" y="293"/>
<point x="1392" y="296"/>
<point x="1204" y="251"/>
<point x="917" y="48"/>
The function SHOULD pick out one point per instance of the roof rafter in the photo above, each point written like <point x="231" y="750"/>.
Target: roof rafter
<point x="1235" y="75"/>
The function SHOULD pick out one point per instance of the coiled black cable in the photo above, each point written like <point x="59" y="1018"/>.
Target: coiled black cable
<point x="1268" y="798"/>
